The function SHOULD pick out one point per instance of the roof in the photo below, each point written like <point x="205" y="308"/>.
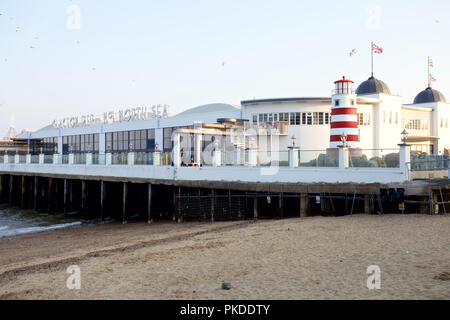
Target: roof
<point x="213" y="107"/>
<point x="305" y="99"/>
<point x="429" y="95"/>
<point x="373" y="85"/>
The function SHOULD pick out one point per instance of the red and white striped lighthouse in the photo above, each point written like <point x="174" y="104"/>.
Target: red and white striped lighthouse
<point x="344" y="118"/>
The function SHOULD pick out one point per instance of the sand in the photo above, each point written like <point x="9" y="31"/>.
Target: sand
<point x="308" y="258"/>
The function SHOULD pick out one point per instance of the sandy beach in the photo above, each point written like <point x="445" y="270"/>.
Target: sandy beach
<point x="308" y="258"/>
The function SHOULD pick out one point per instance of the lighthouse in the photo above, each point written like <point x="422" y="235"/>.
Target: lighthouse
<point x="344" y="118"/>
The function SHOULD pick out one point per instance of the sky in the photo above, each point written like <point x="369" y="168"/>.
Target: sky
<point x="61" y="58"/>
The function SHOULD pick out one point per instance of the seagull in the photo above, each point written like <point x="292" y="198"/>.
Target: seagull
<point x="94" y="69"/>
<point x="437" y="21"/>
<point x="352" y="52"/>
<point x="31" y="47"/>
<point x="223" y="64"/>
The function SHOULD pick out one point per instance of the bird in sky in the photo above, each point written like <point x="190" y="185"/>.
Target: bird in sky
<point x="352" y="52"/>
<point x="223" y="63"/>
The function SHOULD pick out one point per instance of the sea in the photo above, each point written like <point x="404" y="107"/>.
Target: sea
<point x="16" y="221"/>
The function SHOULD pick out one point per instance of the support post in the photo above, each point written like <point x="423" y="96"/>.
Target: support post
<point x="108" y="159"/>
<point x="83" y="196"/>
<point x="88" y="159"/>
<point x="35" y="197"/>
<point x="49" y="195"/>
<point x="156" y="158"/>
<point x="180" y="216"/>
<point x="255" y="207"/>
<point x="71" y="158"/>
<point x="124" y="203"/>
<point x="252" y="157"/>
<point x="176" y="150"/>
<point x="405" y="159"/>
<point x="11" y="189"/>
<point x="217" y="158"/>
<point x="343" y="157"/>
<point x="65" y="198"/>
<point x="213" y="206"/>
<point x="41" y="158"/>
<point x="293" y="157"/>
<point x="102" y="200"/>
<point x="304" y="205"/>
<point x="149" y="204"/>
<point x="22" y="198"/>
<point x="131" y="157"/>
<point x="366" y="204"/>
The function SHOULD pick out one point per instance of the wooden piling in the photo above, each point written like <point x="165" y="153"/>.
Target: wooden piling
<point x="22" y="196"/>
<point x="180" y="216"/>
<point x="304" y="205"/>
<point x="124" y="202"/>
<point x="102" y="200"/>
<point x="149" y="204"/>
<point x="213" y="207"/>
<point x="366" y="204"/>
<point x="83" y="196"/>
<point x="35" y="193"/>
<point x="11" y="189"/>
<point x="49" y="195"/>
<point x="255" y="207"/>
<point x="65" y="198"/>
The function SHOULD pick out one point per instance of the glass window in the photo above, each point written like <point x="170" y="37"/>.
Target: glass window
<point x="292" y="122"/>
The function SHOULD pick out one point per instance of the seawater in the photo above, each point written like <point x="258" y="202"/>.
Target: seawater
<point x="16" y="221"/>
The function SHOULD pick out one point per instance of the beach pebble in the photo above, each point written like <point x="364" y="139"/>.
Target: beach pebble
<point x="226" y="286"/>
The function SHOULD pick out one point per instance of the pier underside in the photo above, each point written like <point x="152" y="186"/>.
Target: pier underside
<point x="105" y="198"/>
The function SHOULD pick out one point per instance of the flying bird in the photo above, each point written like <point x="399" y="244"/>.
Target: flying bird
<point x="352" y="52"/>
<point x="223" y="64"/>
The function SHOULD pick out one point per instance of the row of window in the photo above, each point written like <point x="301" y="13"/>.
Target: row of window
<point x="136" y="140"/>
<point x="444" y="122"/>
<point x="416" y="124"/>
<point x="364" y="119"/>
<point x="83" y="143"/>
<point x="294" y="118"/>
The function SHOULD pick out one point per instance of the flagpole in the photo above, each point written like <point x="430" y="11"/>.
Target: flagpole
<point x="429" y="80"/>
<point x="371" y="56"/>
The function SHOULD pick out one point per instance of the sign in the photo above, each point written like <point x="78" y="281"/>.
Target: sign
<point x="401" y="206"/>
<point x="126" y="115"/>
<point x="269" y="200"/>
<point x="436" y="209"/>
<point x="317" y="199"/>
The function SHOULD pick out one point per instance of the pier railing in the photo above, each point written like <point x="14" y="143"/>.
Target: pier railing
<point x="333" y="158"/>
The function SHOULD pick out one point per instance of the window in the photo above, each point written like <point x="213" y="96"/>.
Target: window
<point x="297" y="118"/>
<point x="270" y="117"/>
<point x="254" y="118"/>
<point x="265" y="117"/>
<point x="304" y="118"/>
<point x="261" y="118"/>
<point x="292" y="122"/>
<point x="284" y="116"/>
<point x="442" y="122"/>
<point x="396" y="118"/>
<point x="360" y="119"/>
<point x="327" y="118"/>
<point x="309" y="118"/>
<point x="315" y="118"/>
<point x="336" y="102"/>
<point x="384" y="116"/>
<point x="320" y="117"/>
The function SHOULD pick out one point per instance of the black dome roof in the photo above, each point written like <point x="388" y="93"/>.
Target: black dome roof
<point x="429" y="95"/>
<point x="373" y="85"/>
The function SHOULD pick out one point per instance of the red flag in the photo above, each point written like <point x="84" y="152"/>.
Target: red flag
<point x="377" y="49"/>
<point x="432" y="78"/>
<point x="430" y="61"/>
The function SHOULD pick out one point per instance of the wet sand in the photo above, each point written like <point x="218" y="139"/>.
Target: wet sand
<point x="309" y="258"/>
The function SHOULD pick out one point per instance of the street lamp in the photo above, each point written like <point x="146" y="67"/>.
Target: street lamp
<point x="294" y="139"/>
<point x="404" y="136"/>
<point x="344" y="139"/>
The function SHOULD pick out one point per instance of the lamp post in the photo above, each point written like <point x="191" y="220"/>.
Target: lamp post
<point x="344" y="139"/>
<point x="404" y="136"/>
<point x="294" y="139"/>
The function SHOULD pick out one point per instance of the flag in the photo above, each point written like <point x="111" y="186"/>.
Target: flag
<point x="432" y="78"/>
<point x="430" y="61"/>
<point x="377" y="49"/>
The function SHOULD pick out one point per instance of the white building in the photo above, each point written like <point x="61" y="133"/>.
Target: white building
<point x="276" y="123"/>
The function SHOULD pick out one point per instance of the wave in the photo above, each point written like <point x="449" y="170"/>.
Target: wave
<point x="14" y="232"/>
<point x="3" y="228"/>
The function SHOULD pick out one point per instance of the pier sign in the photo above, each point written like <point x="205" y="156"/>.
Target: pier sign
<point x="133" y="114"/>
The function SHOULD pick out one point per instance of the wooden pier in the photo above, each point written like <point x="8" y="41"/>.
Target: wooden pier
<point x="152" y="199"/>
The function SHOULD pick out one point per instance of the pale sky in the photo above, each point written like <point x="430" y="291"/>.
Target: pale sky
<point x="142" y="52"/>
